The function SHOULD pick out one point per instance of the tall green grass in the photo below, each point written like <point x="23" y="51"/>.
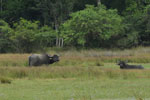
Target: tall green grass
<point x="76" y="89"/>
<point x="82" y="57"/>
<point x="79" y="75"/>
<point x="71" y="72"/>
<point x="77" y="63"/>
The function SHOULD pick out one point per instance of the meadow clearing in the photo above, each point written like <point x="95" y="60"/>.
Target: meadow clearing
<point x="79" y="75"/>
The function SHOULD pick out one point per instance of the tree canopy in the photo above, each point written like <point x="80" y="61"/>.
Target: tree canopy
<point x="92" y="25"/>
<point x="30" y="25"/>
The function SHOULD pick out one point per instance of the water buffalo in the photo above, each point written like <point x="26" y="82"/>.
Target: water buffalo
<point x="39" y="59"/>
<point x="124" y="65"/>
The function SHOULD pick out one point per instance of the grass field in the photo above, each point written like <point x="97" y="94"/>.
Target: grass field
<point x="76" y="89"/>
<point x="80" y="75"/>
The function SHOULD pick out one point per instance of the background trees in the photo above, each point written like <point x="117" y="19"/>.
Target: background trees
<point x="25" y="36"/>
<point x="29" y="25"/>
<point x="92" y="26"/>
<point x="5" y="34"/>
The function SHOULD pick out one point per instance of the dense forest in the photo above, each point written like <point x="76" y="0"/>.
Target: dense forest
<point x="31" y="25"/>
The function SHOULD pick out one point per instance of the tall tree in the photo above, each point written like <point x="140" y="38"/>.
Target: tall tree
<point x="55" y="12"/>
<point x="5" y="33"/>
<point x="91" y="26"/>
<point x="98" y="2"/>
<point x="81" y="4"/>
<point x="13" y="10"/>
<point x="1" y="6"/>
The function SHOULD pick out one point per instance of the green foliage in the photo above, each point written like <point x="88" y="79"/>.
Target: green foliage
<point x="5" y="34"/>
<point x="90" y="26"/>
<point x="140" y="24"/>
<point x="46" y="36"/>
<point x="145" y="24"/>
<point x="24" y="36"/>
<point x="136" y="22"/>
<point x="148" y="19"/>
<point x="128" y="38"/>
<point x="12" y="11"/>
<point x="76" y="89"/>
<point x="132" y="7"/>
<point x="29" y="36"/>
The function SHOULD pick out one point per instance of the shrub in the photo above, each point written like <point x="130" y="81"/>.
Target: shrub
<point x="5" y="34"/>
<point x="29" y="36"/>
<point x="5" y="80"/>
<point x="91" y="27"/>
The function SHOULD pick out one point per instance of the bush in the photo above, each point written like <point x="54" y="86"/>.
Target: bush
<point x="29" y="37"/>
<point x="5" y="80"/>
<point x="91" y="27"/>
<point x="5" y="34"/>
<point x="46" y="37"/>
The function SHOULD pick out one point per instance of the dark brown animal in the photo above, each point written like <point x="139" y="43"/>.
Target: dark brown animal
<point x="124" y="65"/>
<point x="40" y="59"/>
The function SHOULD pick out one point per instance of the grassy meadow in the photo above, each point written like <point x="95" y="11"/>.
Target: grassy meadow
<point x="79" y="75"/>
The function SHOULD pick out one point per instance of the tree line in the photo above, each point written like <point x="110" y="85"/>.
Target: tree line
<point x="31" y="25"/>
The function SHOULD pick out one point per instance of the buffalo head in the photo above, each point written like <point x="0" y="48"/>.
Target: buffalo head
<point x="54" y="58"/>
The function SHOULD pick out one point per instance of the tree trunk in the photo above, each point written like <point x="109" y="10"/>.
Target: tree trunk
<point x="62" y="44"/>
<point x="98" y="2"/>
<point x="1" y="6"/>
<point x="56" y="29"/>
<point x="56" y="41"/>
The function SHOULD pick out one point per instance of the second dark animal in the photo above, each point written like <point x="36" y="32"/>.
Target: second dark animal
<point x="124" y="65"/>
